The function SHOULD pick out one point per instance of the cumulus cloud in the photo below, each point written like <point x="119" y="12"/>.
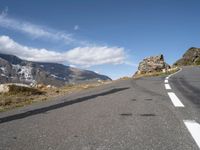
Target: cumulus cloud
<point x="37" y="31"/>
<point x="82" y="56"/>
<point x="96" y="55"/>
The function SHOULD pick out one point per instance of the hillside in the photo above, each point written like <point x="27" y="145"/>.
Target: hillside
<point x="14" y="69"/>
<point x="191" y="57"/>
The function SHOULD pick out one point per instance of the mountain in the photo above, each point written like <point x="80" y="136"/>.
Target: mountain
<point x="191" y="57"/>
<point x="16" y="70"/>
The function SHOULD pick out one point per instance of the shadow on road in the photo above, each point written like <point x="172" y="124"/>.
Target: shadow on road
<point x="59" y="105"/>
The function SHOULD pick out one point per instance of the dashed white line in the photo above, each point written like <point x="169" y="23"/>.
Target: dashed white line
<point x="175" y="100"/>
<point x="166" y="81"/>
<point x="194" y="129"/>
<point x="167" y="86"/>
<point x="192" y="126"/>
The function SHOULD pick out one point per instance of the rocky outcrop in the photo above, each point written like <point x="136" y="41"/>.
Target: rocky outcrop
<point x="152" y="64"/>
<point x="16" y="70"/>
<point x="5" y="88"/>
<point x="191" y="57"/>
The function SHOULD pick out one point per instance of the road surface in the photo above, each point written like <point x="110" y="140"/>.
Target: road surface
<point x="129" y="114"/>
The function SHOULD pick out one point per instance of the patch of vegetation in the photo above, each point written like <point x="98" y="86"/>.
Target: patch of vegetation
<point x="22" y="96"/>
<point x="197" y="61"/>
<point x="19" y="96"/>
<point x="124" y="78"/>
<point x="12" y="101"/>
<point x="20" y="90"/>
<point x="154" y="74"/>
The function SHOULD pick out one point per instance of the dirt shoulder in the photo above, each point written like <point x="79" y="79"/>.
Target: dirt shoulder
<point x="19" y="97"/>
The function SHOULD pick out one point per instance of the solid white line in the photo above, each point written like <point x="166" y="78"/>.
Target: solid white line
<point x="175" y="100"/>
<point x="194" y="129"/>
<point x="167" y="86"/>
<point x="166" y="81"/>
<point x="174" y="73"/>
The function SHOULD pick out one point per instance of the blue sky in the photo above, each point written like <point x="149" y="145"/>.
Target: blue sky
<point x="107" y="36"/>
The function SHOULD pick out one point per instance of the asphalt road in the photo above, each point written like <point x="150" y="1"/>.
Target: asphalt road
<point x="129" y="114"/>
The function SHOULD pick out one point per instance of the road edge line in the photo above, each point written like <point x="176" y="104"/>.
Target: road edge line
<point x="174" y="73"/>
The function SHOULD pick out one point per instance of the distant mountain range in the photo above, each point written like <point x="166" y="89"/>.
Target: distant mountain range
<point x="16" y="70"/>
<point x="190" y="57"/>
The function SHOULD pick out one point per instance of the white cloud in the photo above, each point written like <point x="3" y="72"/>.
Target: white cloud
<point x="37" y="31"/>
<point x="82" y="56"/>
<point x="96" y="55"/>
<point x="76" y="27"/>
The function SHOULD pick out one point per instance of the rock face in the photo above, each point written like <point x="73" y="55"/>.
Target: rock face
<point x="191" y="57"/>
<point x="5" y="88"/>
<point x="16" y="70"/>
<point x="152" y="64"/>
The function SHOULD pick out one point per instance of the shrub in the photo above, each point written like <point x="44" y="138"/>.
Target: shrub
<point x="14" y="89"/>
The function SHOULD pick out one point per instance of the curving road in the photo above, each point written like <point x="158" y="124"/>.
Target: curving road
<point x="128" y="114"/>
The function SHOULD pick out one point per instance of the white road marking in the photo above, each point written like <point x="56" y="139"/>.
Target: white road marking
<point x="192" y="126"/>
<point x="167" y="86"/>
<point x="174" y="73"/>
<point x="175" y="100"/>
<point x="194" y="129"/>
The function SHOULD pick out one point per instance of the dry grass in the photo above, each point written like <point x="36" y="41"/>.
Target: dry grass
<point x="20" y="90"/>
<point x="125" y="78"/>
<point x="154" y="74"/>
<point x="19" y="96"/>
<point x="22" y="96"/>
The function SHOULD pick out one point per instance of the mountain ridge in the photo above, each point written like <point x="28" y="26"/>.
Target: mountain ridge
<point x="190" y="57"/>
<point x="14" y="69"/>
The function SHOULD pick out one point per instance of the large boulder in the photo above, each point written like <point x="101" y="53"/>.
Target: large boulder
<point x="152" y="64"/>
<point x="4" y="88"/>
<point x="191" y="57"/>
<point x="18" y="88"/>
